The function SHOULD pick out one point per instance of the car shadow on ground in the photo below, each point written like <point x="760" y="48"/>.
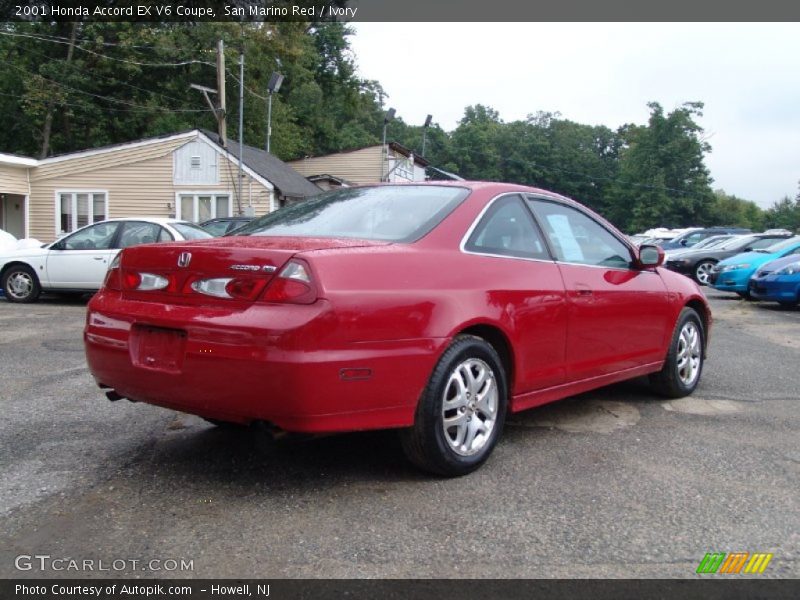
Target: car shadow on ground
<point x="188" y="449"/>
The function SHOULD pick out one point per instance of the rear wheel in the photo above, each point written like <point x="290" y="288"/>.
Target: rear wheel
<point x="20" y="284"/>
<point x="702" y="271"/>
<point x="745" y="295"/>
<point x="462" y="410"/>
<point x="684" y="364"/>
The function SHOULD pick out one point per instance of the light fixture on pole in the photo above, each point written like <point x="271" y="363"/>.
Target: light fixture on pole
<point x="427" y="124"/>
<point x="389" y="116"/>
<point x="275" y="81"/>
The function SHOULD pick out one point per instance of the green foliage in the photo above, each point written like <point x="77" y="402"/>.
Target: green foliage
<point x="662" y="178"/>
<point x="784" y="214"/>
<point x="730" y="210"/>
<point x="124" y="81"/>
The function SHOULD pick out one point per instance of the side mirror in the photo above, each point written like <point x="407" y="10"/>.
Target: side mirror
<point x="650" y="256"/>
<point x="748" y="249"/>
<point x="683" y="242"/>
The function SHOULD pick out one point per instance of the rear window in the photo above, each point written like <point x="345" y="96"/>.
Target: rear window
<point x="386" y="213"/>
<point x="781" y="246"/>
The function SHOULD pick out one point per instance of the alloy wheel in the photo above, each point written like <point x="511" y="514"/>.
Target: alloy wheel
<point x="469" y="407"/>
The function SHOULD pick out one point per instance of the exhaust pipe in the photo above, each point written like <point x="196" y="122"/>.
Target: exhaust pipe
<point x="113" y="396"/>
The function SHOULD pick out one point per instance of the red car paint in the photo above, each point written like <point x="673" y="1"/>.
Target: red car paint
<point x="360" y="354"/>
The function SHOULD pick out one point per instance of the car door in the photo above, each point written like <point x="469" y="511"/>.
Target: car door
<point x="618" y="315"/>
<point x="80" y="261"/>
<point x="524" y="286"/>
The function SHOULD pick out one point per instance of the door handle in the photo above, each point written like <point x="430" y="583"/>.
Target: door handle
<point x="99" y="258"/>
<point x="581" y="289"/>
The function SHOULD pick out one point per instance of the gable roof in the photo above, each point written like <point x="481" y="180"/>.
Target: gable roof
<point x="288" y="181"/>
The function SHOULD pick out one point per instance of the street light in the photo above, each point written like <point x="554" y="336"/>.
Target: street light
<point x="275" y="81"/>
<point x="427" y="124"/>
<point x="385" y="163"/>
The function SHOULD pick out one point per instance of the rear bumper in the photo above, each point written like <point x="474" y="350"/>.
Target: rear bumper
<point x="680" y="268"/>
<point x="275" y="363"/>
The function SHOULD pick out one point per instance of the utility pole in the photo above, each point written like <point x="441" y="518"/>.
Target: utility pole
<point x="219" y="111"/>
<point x="222" y="125"/>
<point x="241" y="126"/>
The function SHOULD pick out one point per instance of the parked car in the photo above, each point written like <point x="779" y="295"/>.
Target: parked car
<point x="433" y="308"/>
<point x="78" y="262"/>
<point x="224" y="225"/>
<point x="777" y="281"/>
<point x="698" y="263"/>
<point x="691" y="237"/>
<point x="714" y="240"/>
<point x="733" y="274"/>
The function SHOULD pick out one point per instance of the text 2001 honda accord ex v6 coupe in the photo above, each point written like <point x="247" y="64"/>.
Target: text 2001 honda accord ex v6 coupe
<point x="434" y="308"/>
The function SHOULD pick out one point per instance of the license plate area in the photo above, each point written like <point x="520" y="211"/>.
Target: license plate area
<point x="157" y="348"/>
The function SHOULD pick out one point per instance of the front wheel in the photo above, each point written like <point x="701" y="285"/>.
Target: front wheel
<point x="20" y="284"/>
<point x="461" y="413"/>
<point x="681" y="371"/>
<point x="702" y="271"/>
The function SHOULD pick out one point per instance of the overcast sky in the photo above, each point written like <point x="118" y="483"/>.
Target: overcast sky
<point x="748" y="76"/>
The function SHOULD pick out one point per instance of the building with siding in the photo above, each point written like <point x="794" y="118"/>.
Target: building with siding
<point x="188" y="175"/>
<point x="372" y="164"/>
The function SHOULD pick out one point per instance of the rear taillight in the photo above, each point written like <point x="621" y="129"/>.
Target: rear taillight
<point x="293" y="284"/>
<point x="229" y="287"/>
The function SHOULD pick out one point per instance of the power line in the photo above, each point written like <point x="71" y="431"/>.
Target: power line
<point x="114" y="81"/>
<point x="100" y="96"/>
<point x="106" y="57"/>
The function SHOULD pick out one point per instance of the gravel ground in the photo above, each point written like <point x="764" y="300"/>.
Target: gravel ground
<point x="613" y="483"/>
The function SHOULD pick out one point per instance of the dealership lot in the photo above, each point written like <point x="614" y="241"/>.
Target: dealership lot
<point x="614" y="483"/>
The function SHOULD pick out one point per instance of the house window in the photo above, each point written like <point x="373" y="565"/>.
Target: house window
<point x="201" y="207"/>
<point x="77" y="209"/>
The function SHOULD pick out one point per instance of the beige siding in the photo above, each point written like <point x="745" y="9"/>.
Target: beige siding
<point x="13" y="180"/>
<point x="135" y="186"/>
<point x="106" y="159"/>
<point x="360" y="166"/>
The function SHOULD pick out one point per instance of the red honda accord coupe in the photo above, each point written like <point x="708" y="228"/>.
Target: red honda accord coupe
<point x="433" y="308"/>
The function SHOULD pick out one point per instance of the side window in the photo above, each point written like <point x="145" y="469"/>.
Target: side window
<point x="577" y="238"/>
<point x="763" y="243"/>
<point x="137" y="232"/>
<point x="97" y="237"/>
<point x="508" y="229"/>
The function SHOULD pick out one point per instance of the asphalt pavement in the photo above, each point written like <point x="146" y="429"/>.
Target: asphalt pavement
<point x="614" y="483"/>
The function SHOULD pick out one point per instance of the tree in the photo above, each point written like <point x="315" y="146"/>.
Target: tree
<point x="662" y="178"/>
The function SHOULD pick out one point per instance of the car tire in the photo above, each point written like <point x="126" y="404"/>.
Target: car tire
<point x="461" y="413"/>
<point x="684" y="363"/>
<point x="702" y="270"/>
<point x="788" y="303"/>
<point x="745" y="295"/>
<point x="20" y="284"/>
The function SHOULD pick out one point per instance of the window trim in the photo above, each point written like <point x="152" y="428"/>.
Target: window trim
<point x="195" y="194"/>
<point x="75" y="192"/>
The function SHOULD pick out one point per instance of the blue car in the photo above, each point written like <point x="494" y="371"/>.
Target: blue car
<point x="733" y="274"/>
<point x="778" y="281"/>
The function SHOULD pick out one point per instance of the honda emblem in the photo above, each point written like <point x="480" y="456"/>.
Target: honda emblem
<point x="184" y="259"/>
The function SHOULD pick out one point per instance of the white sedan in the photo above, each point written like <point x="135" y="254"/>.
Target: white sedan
<point x="78" y="262"/>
